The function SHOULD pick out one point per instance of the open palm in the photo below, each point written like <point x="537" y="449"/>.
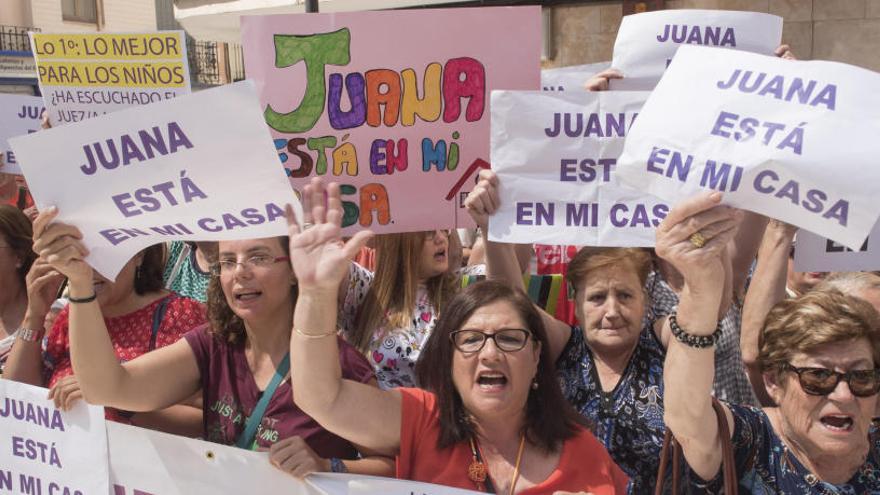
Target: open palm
<point x="318" y="255"/>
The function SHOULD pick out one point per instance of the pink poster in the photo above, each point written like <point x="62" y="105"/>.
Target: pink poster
<point x="393" y="105"/>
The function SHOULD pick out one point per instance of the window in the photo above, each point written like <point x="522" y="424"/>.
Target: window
<point x="79" y="10"/>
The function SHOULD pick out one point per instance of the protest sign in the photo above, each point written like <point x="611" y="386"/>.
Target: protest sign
<point x="570" y="78"/>
<point x="787" y="139"/>
<point x="19" y="114"/>
<point x="815" y="253"/>
<point x="46" y="450"/>
<point x="555" y="155"/>
<point x="146" y="462"/>
<point x="84" y="75"/>
<point x="355" y="484"/>
<point x="647" y="42"/>
<point x="201" y="167"/>
<point x="400" y="121"/>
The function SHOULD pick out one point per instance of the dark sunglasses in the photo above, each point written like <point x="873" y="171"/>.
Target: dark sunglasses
<point x="822" y="381"/>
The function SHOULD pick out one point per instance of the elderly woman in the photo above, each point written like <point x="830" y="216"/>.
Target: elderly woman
<point x="238" y="361"/>
<point x="16" y="258"/>
<point x="819" y="356"/>
<point x="492" y="417"/>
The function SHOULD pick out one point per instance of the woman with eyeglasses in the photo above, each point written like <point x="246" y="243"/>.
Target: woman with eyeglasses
<point x="818" y="355"/>
<point x="491" y="417"/>
<point x="238" y="361"/>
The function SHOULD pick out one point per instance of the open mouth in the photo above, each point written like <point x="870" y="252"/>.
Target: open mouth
<point x="440" y="255"/>
<point x="245" y="296"/>
<point x="491" y="380"/>
<point x="837" y="423"/>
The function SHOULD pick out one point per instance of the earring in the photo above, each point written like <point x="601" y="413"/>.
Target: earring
<point x="137" y="274"/>
<point x="535" y="385"/>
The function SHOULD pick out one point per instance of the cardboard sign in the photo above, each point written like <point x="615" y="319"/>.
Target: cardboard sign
<point x="89" y="74"/>
<point x="815" y="253"/>
<point x="201" y="167"/>
<point x="556" y="159"/>
<point x="647" y="42"/>
<point x="795" y="141"/>
<point x="570" y="78"/>
<point x="45" y="450"/>
<point x="146" y="462"/>
<point x="393" y="105"/>
<point x="19" y="114"/>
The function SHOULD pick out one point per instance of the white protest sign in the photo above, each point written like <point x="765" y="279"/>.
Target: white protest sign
<point x="815" y="253"/>
<point x="44" y="450"/>
<point x="570" y="78"/>
<point x="83" y="75"/>
<point x="555" y="155"/>
<point x="796" y="141"/>
<point x="352" y="484"/>
<point x="647" y="42"/>
<point x="19" y="114"/>
<point x="146" y="462"/>
<point x="200" y="167"/>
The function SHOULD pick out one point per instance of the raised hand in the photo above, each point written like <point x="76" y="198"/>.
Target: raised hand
<point x="43" y="282"/>
<point x="694" y="235"/>
<point x="317" y="253"/>
<point x="60" y="245"/>
<point x="602" y="80"/>
<point x="482" y="201"/>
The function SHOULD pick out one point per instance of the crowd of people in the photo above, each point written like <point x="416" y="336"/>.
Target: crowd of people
<point x="767" y="378"/>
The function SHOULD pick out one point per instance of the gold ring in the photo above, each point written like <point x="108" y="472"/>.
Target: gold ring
<point x="697" y="240"/>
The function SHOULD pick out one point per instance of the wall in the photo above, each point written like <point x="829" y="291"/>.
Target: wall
<point x="119" y="15"/>
<point x="841" y="30"/>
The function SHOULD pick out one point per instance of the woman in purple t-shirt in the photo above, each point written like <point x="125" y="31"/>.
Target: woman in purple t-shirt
<point x="235" y="361"/>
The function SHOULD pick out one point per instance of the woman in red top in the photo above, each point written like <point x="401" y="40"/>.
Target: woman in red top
<point x="139" y="316"/>
<point x="493" y="417"/>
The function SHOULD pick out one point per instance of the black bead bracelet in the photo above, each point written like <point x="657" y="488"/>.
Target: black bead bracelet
<point x="696" y="341"/>
<point x="83" y="300"/>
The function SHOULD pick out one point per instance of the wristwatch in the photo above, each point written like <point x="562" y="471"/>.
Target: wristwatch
<point x="337" y="466"/>
<point x="28" y="335"/>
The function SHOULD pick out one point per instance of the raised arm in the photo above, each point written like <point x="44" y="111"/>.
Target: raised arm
<point x="689" y="371"/>
<point x="767" y="289"/>
<point x="153" y="381"/>
<point x="320" y="260"/>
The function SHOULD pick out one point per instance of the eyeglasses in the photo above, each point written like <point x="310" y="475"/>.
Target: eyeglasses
<point x="822" y="381"/>
<point x="256" y="261"/>
<point x="507" y="340"/>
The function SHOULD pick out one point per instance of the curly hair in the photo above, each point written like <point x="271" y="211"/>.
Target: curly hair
<point x="818" y="318"/>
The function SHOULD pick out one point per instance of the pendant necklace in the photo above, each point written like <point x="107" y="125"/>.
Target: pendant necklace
<point x="478" y="471"/>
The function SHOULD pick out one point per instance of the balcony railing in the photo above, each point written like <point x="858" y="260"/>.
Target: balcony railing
<point x="15" y="38"/>
<point x="212" y="63"/>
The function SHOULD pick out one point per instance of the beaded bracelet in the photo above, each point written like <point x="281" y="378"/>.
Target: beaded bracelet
<point x="696" y="341"/>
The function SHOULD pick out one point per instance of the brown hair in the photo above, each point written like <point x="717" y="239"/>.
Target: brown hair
<point x="392" y="295"/>
<point x="16" y="229"/>
<point x="592" y="258"/>
<point x="818" y="318"/>
<point x="225" y="324"/>
<point x="148" y="277"/>
<point x="550" y="420"/>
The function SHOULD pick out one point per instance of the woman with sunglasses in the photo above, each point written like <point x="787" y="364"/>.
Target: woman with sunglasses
<point x="492" y="416"/>
<point x="818" y="355"/>
<point x="239" y="361"/>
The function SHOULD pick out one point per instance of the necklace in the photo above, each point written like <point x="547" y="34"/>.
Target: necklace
<point x="478" y="471"/>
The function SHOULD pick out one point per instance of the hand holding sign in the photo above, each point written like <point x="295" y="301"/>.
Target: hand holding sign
<point x="61" y="246"/>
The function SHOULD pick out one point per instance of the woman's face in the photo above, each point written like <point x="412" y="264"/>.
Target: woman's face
<point x="826" y="425"/>
<point x="255" y="292"/>
<point x="493" y="383"/>
<point x="610" y="305"/>
<point x="9" y="265"/>
<point x="434" y="256"/>
<point x="116" y="294"/>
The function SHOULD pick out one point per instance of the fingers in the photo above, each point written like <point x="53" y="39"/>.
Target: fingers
<point x="44" y="218"/>
<point x="601" y="81"/>
<point x="317" y="201"/>
<point x="334" y="205"/>
<point x="784" y="51"/>
<point x="689" y="208"/>
<point x="290" y="215"/>
<point x="354" y="245"/>
<point x="699" y="222"/>
<point x="293" y="456"/>
<point x="65" y="393"/>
